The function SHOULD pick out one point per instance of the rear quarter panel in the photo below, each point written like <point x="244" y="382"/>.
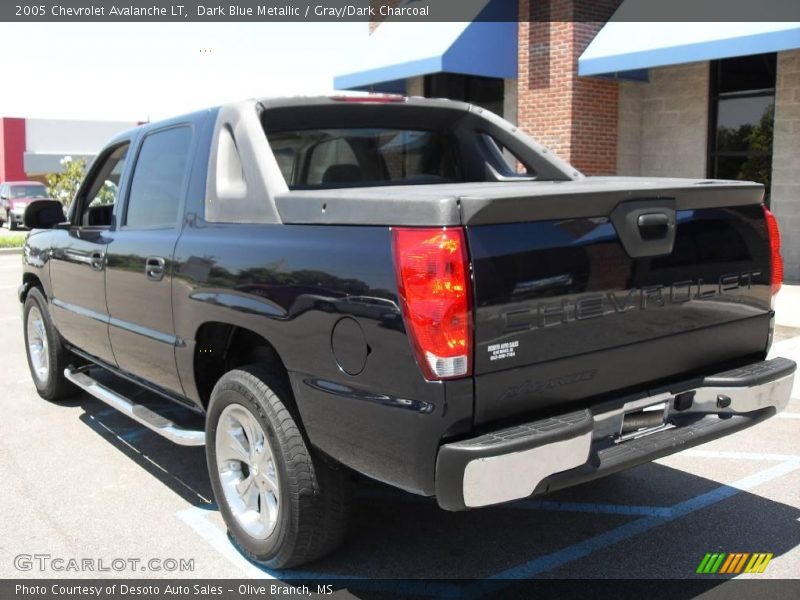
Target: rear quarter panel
<point x="292" y="284"/>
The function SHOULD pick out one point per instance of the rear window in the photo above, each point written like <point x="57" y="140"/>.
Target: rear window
<point x="330" y="158"/>
<point x="28" y="191"/>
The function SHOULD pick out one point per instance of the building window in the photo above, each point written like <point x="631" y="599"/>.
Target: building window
<point x="486" y="92"/>
<point x="741" y="118"/>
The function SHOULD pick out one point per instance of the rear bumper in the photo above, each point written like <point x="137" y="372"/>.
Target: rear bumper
<point x="565" y="450"/>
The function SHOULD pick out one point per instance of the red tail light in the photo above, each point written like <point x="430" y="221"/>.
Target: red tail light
<point x="433" y="280"/>
<point x="775" y="250"/>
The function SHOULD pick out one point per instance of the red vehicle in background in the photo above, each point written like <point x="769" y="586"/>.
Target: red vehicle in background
<point x="14" y="199"/>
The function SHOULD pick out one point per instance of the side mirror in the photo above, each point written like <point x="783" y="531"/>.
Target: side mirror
<point x="43" y="214"/>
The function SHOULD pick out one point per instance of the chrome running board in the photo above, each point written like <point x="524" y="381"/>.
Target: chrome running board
<point x="139" y="413"/>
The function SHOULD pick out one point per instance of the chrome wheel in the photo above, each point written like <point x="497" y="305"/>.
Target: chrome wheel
<point x="38" y="349"/>
<point x="247" y="471"/>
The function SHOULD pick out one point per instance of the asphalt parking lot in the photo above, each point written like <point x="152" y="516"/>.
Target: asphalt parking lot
<point x="80" y="480"/>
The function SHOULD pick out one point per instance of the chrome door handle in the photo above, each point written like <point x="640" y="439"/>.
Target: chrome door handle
<point x="154" y="268"/>
<point x="97" y="260"/>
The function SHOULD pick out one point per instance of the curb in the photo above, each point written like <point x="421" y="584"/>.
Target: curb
<point x="10" y="250"/>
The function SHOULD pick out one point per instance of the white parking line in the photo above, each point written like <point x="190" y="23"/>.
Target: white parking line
<point x="738" y="455"/>
<point x="788" y="415"/>
<point x="197" y="519"/>
<point x="586" y="547"/>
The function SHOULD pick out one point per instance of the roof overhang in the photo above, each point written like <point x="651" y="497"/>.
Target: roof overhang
<point x="622" y="47"/>
<point x="486" y="46"/>
<point x="40" y="163"/>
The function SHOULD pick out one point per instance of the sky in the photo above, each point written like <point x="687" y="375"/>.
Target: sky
<point x="140" y="72"/>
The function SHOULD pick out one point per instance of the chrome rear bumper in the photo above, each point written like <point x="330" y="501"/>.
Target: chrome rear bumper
<point x="557" y="452"/>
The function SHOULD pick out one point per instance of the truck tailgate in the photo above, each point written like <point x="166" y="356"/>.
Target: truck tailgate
<point x="621" y="293"/>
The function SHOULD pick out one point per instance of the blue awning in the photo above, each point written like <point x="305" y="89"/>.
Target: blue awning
<point x="629" y="46"/>
<point x="399" y="50"/>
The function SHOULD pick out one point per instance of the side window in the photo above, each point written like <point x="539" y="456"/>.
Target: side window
<point x="97" y="205"/>
<point x="158" y="179"/>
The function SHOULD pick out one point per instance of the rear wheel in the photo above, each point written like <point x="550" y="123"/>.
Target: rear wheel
<point x="10" y="222"/>
<point x="47" y="356"/>
<point x="284" y="505"/>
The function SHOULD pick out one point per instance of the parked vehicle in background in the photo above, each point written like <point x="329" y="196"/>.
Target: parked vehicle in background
<point x="406" y="288"/>
<point x="15" y="196"/>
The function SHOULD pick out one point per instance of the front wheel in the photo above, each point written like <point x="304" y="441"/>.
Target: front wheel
<point x="283" y="504"/>
<point x="47" y="356"/>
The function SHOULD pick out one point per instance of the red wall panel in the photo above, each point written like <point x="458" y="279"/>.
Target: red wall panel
<point x="12" y="149"/>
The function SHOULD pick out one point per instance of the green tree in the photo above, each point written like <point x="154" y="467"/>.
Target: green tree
<point x="64" y="185"/>
<point x="758" y="165"/>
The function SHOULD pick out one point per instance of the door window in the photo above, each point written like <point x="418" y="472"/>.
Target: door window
<point x="97" y="207"/>
<point x="158" y="179"/>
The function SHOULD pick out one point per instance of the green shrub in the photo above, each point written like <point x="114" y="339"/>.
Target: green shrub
<point x="13" y="241"/>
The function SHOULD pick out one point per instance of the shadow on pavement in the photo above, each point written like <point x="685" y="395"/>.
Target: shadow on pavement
<point x="396" y="535"/>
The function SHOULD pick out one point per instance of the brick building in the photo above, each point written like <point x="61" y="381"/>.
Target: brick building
<point x="615" y="97"/>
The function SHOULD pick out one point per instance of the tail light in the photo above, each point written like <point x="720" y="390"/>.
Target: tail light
<point x="434" y="284"/>
<point x="775" y="250"/>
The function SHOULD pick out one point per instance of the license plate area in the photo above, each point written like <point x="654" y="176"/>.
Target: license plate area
<point x="644" y="421"/>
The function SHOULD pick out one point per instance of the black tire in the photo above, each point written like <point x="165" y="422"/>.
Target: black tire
<point x="314" y="493"/>
<point x="54" y="386"/>
<point x="12" y="224"/>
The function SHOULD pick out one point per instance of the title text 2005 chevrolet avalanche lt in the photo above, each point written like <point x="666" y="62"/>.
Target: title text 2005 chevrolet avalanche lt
<point x="409" y="289"/>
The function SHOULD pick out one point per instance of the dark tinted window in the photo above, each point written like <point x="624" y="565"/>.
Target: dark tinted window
<point x="327" y="158"/>
<point x="742" y="117"/>
<point x="487" y="92"/>
<point x="158" y="178"/>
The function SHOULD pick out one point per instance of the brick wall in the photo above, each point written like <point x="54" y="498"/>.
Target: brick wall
<point x="575" y="117"/>
<point x="785" y="200"/>
<point x="663" y="124"/>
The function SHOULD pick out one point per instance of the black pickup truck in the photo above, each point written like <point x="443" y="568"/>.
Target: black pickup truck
<point x="409" y="289"/>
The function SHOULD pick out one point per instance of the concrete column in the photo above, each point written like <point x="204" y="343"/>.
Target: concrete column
<point x="785" y="199"/>
<point x="510" y="100"/>
<point x="674" y="131"/>
<point x="629" y="133"/>
<point x="415" y="86"/>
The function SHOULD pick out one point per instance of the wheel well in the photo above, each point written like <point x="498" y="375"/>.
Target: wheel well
<point x="31" y="281"/>
<point x="221" y="347"/>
